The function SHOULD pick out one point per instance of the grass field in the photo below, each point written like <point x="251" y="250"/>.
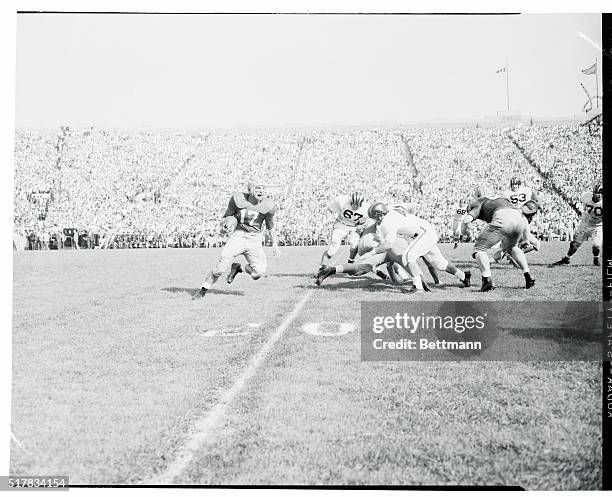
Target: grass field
<point x="116" y="371"/>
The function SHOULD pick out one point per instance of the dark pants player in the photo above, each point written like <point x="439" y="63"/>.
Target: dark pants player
<point x="508" y="226"/>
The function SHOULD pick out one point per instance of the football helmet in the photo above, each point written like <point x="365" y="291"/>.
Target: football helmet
<point x="257" y="188"/>
<point x="597" y="192"/>
<point x="515" y="182"/>
<point x="378" y="211"/>
<point x="356" y="200"/>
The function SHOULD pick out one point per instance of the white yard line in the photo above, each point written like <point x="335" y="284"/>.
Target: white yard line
<point x="204" y="429"/>
<point x="18" y="443"/>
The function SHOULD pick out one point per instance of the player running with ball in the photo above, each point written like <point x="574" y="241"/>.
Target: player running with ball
<point x="244" y="218"/>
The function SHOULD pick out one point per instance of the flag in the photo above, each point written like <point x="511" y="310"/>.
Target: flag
<point x="590" y="70"/>
<point x="503" y="69"/>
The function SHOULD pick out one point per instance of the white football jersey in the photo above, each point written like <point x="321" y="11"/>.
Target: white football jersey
<point x="519" y="197"/>
<point x="459" y="211"/>
<point x="399" y="222"/>
<point x="341" y="206"/>
<point x="591" y="211"/>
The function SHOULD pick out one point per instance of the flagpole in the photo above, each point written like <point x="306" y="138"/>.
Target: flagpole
<point x="507" y="88"/>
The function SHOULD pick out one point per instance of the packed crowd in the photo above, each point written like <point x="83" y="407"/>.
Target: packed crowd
<point x="154" y="189"/>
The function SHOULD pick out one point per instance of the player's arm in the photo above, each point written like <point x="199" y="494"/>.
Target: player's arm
<point x="230" y="211"/>
<point x="467" y="218"/>
<point x="269" y="220"/>
<point x="387" y="242"/>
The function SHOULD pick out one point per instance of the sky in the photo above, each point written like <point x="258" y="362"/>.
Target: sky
<point x="200" y="71"/>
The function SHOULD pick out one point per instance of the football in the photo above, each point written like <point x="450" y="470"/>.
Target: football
<point x="229" y="224"/>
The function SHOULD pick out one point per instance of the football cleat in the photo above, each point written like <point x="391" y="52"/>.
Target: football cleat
<point x="529" y="281"/>
<point x="324" y="272"/>
<point x="466" y="280"/>
<point x="487" y="284"/>
<point x="201" y="293"/>
<point x="236" y="268"/>
<point x="561" y="262"/>
<point x="595" y="261"/>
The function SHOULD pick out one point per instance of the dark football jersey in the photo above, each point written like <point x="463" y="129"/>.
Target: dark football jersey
<point x="484" y="208"/>
<point x="251" y="216"/>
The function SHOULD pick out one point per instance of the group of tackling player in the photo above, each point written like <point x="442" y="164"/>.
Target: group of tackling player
<point x="389" y="239"/>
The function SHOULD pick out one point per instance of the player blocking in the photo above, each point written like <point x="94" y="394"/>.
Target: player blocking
<point x="505" y="224"/>
<point x="351" y="215"/>
<point x="244" y="219"/>
<point x="404" y="238"/>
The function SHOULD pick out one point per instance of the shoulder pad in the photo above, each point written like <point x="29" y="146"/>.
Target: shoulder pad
<point x="240" y="200"/>
<point x="267" y="205"/>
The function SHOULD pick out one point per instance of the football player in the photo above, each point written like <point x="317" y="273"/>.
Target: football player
<point x="405" y="238"/>
<point x="247" y="212"/>
<point x="365" y="263"/>
<point x="590" y="225"/>
<point x="506" y="225"/>
<point x="351" y="215"/>
<point x="459" y="212"/>
<point x="518" y="193"/>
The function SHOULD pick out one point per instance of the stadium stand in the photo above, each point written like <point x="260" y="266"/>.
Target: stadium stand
<point x="119" y="189"/>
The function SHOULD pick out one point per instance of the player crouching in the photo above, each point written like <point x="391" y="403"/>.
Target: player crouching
<point x="405" y="238"/>
<point x="505" y="224"/>
<point x="244" y="218"/>
<point x="368" y="261"/>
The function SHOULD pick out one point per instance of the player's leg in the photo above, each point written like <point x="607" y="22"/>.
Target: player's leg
<point x="431" y="269"/>
<point x="498" y="253"/>
<point x="233" y="247"/>
<point x="514" y="230"/>
<point x="582" y="233"/>
<point x="359" y="268"/>
<point x="337" y="235"/>
<point x="415" y="249"/>
<point x="442" y="264"/>
<point x="256" y="259"/>
<point x="488" y="237"/>
<point x="353" y="240"/>
<point x="397" y="273"/>
<point x="597" y="239"/>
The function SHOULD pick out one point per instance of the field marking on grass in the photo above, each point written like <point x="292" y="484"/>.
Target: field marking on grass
<point x="231" y="332"/>
<point x="315" y="328"/>
<point x="18" y="443"/>
<point x="204" y="427"/>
